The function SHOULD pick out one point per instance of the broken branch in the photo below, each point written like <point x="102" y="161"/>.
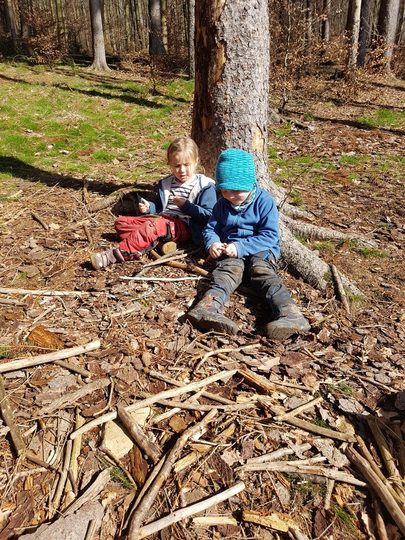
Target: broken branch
<point x="23" y="363"/>
<point x="378" y="487"/>
<point x="164" y="472"/>
<point x="195" y="508"/>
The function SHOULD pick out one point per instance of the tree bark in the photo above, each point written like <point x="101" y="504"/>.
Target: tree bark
<point x="388" y="22"/>
<point x="354" y="11"/>
<point x="191" y="39"/>
<point x="325" y="28"/>
<point x="364" y="32"/>
<point x="155" y="29"/>
<point x="96" y="14"/>
<point x="231" y="81"/>
<point x="11" y="23"/>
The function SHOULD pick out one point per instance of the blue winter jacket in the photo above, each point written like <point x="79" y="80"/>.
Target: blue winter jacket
<point x="198" y="207"/>
<point x="252" y="228"/>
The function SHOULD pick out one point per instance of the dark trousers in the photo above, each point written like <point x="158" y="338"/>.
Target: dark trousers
<point x="257" y="271"/>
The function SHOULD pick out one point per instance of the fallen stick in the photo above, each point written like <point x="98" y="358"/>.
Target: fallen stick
<point x="313" y="428"/>
<point x="87" y="233"/>
<point x="191" y="387"/>
<point x="298" y="410"/>
<point x="190" y="267"/>
<point x="151" y="494"/>
<point x="260" y="382"/>
<point x="91" y="492"/>
<point x="42" y="292"/>
<point x="194" y="456"/>
<point x="284" y="466"/>
<point x="71" y="367"/>
<point x="224" y="350"/>
<point x="63" y="477"/>
<point x="72" y="397"/>
<point x="379" y="520"/>
<point x="71" y="485"/>
<point x="174" y="382"/>
<point x="150" y="448"/>
<point x="23" y="363"/>
<point x="149" y="481"/>
<point x="378" y="488"/>
<point x="330" y="484"/>
<point x="281" y="452"/>
<point x="40" y="221"/>
<point x="8" y="418"/>
<point x="209" y="521"/>
<point x="195" y="508"/>
<point x="365" y="452"/>
<point x="341" y="293"/>
<point x="386" y="455"/>
<point x="206" y="408"/>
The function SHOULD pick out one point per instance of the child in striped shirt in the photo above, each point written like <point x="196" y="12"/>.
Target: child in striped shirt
<point x="180" y="211"/>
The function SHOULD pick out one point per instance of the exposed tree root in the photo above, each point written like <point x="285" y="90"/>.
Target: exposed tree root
<point x="300" y="259"/>
<point x="314" y="232"/>
<point x="308" y="264"/>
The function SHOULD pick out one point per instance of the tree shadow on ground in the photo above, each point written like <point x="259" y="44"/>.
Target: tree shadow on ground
<point x="20" y="169"/>
<point x="142" y="102"/>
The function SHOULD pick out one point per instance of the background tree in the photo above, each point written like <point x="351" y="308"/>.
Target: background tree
<point x="353" y="28"/>
<point x="156" y="47"/>
<point x="12" y="23"/>
<point x="191" y="38"/>
<point x="96" y="16"/>
<point x="364" y="32"/>
<point x="387" y="26"/>
<point x="231" y="110"/>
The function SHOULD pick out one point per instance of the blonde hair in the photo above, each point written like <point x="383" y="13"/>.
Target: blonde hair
<point x="185" y="146"/>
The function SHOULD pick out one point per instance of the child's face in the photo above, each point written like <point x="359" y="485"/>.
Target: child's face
<point x="235" y="197"/>
<point x="182" y="167"/>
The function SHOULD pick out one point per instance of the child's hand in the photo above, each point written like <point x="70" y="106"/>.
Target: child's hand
<point x="143" y="206"/>
<point x="179" y="201"/>
<point x="230" y="250"/>
<point x="216" y="249"/>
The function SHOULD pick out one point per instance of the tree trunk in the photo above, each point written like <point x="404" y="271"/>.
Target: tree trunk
<point x="155" y="30"/>
<point x="325" y="28"/>
<point x="354" y="11"/>
<point x="231" y="80"/>
<point x="231" y="110"/>
<point x="191" y="39"/>
<point x="96" y="15"/>
<point x="388" y="22"/>
<point x="11" y="20"/>
<point x="364" y="32"/>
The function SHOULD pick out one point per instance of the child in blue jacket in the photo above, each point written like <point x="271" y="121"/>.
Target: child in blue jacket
<point x="242" y="236"/>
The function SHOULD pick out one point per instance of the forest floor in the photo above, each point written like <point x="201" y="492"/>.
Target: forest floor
<point x="342" y="159"/>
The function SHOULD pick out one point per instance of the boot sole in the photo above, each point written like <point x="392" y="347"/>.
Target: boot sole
<point x="281" y="333"/>
<point x="212" y="325"/>
<point x="94" y="262"/>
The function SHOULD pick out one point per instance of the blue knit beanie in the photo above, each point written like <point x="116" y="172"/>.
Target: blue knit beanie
<point x="235" y="170"/>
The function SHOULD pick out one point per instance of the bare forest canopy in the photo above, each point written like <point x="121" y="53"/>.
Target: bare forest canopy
<point x="303" y="33"/>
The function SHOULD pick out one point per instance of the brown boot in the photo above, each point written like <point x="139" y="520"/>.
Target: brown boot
<point x="290" y="321"/>
<point x="105" y="258"/>
<point x="207" y="315"/>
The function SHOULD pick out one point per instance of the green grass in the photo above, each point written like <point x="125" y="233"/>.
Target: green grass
<point x="325" y="246"/>
<point x="296" y="197"/>
<point x="387" y="118"/>
<point x="73" y="121"/>
<point x="341" y="388"/>
<point x="372" y="252"/>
